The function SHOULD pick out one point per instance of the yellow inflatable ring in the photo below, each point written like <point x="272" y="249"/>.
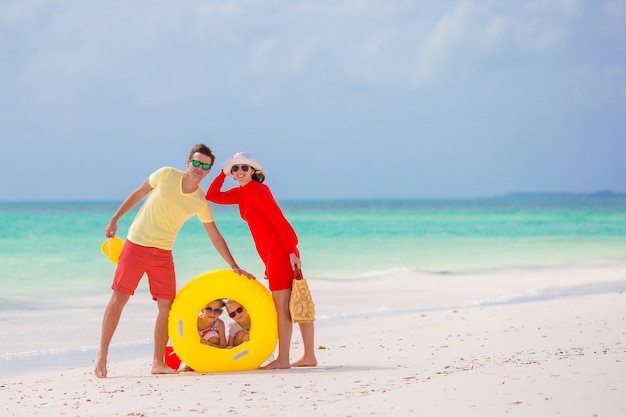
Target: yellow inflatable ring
<point x="201" y="290"/>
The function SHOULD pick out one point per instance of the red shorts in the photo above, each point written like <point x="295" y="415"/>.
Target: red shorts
<point x="158" y="264"/>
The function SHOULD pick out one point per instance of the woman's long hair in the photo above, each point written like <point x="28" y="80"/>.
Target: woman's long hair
<point x="258" y="176"/>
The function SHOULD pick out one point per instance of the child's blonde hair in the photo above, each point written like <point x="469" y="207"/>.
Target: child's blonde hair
<point x="219" y="300"/>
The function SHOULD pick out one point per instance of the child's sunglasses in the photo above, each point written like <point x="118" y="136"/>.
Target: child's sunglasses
<point x="232" y="314"/>
<point x="210" y="310"/>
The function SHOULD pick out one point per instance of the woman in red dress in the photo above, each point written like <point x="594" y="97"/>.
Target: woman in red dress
<point x="275" y="241"/>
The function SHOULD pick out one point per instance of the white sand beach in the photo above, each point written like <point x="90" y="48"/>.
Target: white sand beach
<point x="560" y="357"/>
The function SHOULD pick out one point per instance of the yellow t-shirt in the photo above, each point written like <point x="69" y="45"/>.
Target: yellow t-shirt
<point x="166" y="209"/>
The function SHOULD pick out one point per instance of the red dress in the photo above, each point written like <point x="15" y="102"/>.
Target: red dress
<point x="273" y="236"/>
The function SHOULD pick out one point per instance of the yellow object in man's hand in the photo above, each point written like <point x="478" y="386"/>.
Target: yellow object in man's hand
<point x="112" y="249"/>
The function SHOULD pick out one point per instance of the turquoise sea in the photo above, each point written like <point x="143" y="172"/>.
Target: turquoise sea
<point x="55" y="281"/>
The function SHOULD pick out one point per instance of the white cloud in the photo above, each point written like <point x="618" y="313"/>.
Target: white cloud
<point x="321" y="75"/>
<point x="251" y="45"/>
<point x="248" y="42"/>
<point x="470" y="31"/>
<point x="434" y="50"/>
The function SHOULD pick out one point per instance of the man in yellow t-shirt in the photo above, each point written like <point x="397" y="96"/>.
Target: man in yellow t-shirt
<point x="173" y="196"/>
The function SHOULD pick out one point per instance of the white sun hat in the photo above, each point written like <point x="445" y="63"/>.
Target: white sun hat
<point x="241" y="158"/>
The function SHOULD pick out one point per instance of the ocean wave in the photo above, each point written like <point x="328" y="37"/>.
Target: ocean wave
<point x="60" y="359"/>
<point x="72" y="350"/>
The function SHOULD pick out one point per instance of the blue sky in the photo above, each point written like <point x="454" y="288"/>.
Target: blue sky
<point x="338" y="99"/>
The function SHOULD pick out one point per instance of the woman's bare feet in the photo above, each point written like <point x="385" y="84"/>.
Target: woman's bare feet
<point x="305" y="361"/>
<point x="276" y="364"/>
<point x="162" y="368"/>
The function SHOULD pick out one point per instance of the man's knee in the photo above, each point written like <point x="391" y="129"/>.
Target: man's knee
<point x="119" y="298"/>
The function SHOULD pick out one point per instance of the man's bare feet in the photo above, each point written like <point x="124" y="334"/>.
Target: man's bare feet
<point x="101" y="367"/>
<point x="162" y="368"/>
<point x="305" y="361"/>
<point x="276" y="365"/>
